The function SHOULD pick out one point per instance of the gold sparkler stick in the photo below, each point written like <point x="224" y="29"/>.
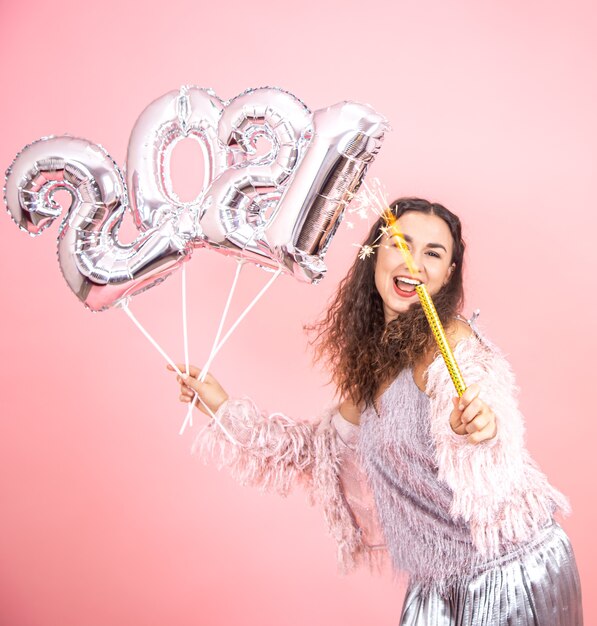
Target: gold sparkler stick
<point x="427" y="303"/>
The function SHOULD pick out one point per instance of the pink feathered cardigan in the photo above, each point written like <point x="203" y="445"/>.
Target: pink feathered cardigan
<point x="497" y="488"/>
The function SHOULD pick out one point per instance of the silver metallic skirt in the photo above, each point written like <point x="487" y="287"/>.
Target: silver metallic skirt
<point x="537" y="587"/>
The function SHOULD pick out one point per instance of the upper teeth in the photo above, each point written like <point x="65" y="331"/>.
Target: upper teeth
<point x="409" y="281"/>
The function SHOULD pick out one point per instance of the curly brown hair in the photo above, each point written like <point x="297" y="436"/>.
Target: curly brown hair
<point x="361" y="351"/>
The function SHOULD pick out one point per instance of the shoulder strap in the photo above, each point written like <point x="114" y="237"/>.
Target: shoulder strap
<point x="472" y="322"/>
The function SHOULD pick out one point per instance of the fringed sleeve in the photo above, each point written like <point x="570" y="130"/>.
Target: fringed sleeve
<point x="358" y="535"/>
<point x="275" y="453"/>
<point x="497" y="487"/>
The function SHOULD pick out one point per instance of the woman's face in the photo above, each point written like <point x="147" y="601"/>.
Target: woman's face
<point x="430" y="244"/>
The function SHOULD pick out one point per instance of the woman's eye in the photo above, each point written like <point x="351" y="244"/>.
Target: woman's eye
<point x="435" y="254"/>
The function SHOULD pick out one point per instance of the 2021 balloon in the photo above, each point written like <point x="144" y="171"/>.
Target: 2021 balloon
<point x="279" y="209"/>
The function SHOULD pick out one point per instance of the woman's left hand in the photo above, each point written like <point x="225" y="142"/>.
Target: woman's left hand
<point x="472" y="417"/>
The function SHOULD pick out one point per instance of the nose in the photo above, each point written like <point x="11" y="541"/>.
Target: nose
<point x="413" y="264"/>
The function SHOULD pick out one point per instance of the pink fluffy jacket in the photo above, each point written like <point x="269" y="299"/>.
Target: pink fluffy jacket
<point x="497" y="489"/>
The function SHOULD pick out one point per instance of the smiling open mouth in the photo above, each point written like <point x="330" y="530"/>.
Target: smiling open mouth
<point x="405" y="285"/>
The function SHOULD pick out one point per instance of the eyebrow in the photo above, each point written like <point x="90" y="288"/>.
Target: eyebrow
<point x="408" y="238"/>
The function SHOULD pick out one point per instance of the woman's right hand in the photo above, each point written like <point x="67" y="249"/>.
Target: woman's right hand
<point x="210" y="391"/>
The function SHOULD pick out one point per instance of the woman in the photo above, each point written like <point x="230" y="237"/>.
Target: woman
<point x="443" y="484"/>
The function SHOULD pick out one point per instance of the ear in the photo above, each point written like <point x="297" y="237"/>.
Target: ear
<point x="450" y="272"/>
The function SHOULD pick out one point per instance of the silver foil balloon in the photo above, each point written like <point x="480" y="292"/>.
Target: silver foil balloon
<point x="283" y="208"/>
<point x="242" y="201"/>
<point x="346" y="138"/>
<point x="278" y="209"/>
<point x="190" y="112"/>
<point x="98" y="268"/>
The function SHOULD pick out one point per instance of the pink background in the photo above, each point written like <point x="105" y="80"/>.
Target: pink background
<point x="105" y="516"/>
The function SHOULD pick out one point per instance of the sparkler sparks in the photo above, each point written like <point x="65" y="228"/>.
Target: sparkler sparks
<point x="367" y="202"/>
<point x="365" y="251"/>
<point x="385" y="230"/>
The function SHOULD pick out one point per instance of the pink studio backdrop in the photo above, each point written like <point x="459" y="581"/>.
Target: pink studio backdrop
<point x="105" y="517"/>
